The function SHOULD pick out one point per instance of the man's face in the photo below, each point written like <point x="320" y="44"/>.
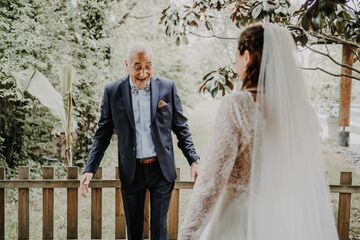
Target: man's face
<point x="140" y="69"/>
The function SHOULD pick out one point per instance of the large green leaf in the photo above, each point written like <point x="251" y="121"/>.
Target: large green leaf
<point x="39" y="86"/>
<point x="66" y="79"/>
<point x="256" y="12"/>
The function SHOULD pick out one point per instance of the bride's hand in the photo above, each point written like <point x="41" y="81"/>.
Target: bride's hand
<point x="194" y="171"/>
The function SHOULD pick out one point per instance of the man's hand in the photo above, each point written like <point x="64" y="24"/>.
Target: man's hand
<point x="84" y="183"/>
<point x="194" y="171"/>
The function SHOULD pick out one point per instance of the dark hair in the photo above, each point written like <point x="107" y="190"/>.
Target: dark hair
<point x="252" y="39"/>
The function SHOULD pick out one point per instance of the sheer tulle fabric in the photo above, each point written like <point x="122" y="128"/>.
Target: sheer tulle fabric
<point x="288" y="194"/>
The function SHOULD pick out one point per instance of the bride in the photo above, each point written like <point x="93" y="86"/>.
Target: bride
<point x="263" y="177"/>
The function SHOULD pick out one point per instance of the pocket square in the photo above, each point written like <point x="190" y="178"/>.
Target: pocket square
<point x="162" y="104"/>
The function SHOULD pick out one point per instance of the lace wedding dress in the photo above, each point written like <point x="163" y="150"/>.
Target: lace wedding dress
<point x="225" y="175"/>
<point x="263" y="177"/>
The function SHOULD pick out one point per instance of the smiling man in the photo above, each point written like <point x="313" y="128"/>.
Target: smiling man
<point x="143" y="110"/>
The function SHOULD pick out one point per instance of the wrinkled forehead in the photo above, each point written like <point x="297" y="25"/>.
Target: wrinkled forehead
<point x="140" y="58"/>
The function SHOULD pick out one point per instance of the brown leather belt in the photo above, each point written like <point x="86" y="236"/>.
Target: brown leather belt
<point x="148" y="160"/>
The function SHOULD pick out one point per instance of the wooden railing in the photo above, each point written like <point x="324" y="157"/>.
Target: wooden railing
<point x="48" y="183"/>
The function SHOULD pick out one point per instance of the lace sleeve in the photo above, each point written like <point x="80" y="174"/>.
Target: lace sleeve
<point x="214" y="171"/>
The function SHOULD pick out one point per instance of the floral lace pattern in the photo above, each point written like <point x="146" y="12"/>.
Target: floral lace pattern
<point x="226" y="169"/>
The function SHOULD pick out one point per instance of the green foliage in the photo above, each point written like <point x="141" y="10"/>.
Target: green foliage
<point x="315" y="21"/>
<point x="60" y="105"/>
<point x="25" y="129"/>
<point x="335" y="17"/>
<point x="85" y="119"/>
<point x="39" y="126"/>
<point x="12" y="126"/>
<point x="2" y="157"/>
<point x="246" y="12"/>
<point x="93" y="18"/>
<point x="218" y="80"/>
<point x="44" y="36"/>
<point x="24" y="126"/>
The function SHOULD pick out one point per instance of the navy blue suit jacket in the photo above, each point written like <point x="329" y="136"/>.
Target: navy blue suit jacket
<point x="117" y="113"/>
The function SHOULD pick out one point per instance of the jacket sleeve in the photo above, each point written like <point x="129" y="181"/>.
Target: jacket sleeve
<point x="102" y="137"/>
<point x="181" y="129"/>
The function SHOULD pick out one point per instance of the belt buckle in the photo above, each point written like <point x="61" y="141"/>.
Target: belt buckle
<point x="148" y="160"/>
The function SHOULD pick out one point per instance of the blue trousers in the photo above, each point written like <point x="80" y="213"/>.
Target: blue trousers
<point x="148" y="176"/>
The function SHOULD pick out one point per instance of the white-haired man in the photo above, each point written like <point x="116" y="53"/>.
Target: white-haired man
<point x="143" y="110"/>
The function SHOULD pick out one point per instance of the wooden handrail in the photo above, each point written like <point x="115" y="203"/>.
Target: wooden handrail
<point x="109" y="183"/>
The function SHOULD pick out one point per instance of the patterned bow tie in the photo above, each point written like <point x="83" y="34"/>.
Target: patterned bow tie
<point x="135" y="89"/>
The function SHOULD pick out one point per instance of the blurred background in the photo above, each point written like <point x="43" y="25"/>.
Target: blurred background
<point x="64" y="52"/>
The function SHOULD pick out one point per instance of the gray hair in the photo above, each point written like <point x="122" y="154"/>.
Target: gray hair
<point x="139" y="47"/>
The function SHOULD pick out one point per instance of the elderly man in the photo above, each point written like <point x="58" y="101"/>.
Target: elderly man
<point x="143" y="110"/>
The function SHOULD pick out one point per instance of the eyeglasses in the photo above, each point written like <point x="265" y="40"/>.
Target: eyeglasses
<point x="138" y="68"/>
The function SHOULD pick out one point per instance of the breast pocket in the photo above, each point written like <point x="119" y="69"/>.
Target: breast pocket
<point x="164" y="115"/>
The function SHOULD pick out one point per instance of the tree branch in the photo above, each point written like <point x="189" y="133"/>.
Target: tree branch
<point x="325" y="38"/>
<point x="334" y="39"/>
<point x="126" y="15"/>
<point x="139" y="17"/>
<point x="356" y="56"/>
<point x="332" y="74"/>
<point x="333" y="60"/>
<point x="213" y="36"/>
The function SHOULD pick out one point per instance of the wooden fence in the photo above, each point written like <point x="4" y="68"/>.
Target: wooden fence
<point x="48" y="183"/>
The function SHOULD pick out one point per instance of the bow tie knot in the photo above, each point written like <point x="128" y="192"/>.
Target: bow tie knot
<point x="136" y="89"/>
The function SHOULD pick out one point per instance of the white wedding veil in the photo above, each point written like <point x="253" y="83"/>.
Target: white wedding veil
<point x="288" y="193"/>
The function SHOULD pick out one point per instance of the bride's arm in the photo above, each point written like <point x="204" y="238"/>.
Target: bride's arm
<point x="214" y="171"/>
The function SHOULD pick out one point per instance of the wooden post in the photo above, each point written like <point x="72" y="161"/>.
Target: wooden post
<point x="173" y="214"/>
<point x="2" y="205"/>
<point x="96" y="208"/>
<point x="344" y="207"/>
<point x="147" y="215"/>
<point x="48" y="205"/>
<point x="345" y="88"/>
<point x="120" y="229"/>
<point x="72" y="205"/>
<point x="23" y="210"/>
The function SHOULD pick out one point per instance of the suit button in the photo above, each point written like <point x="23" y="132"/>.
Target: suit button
<point x="134" y="149"/>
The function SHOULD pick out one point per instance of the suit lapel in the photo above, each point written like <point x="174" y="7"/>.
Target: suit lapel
<point x="154" y="89"/>
<point x="125" y="91"/>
